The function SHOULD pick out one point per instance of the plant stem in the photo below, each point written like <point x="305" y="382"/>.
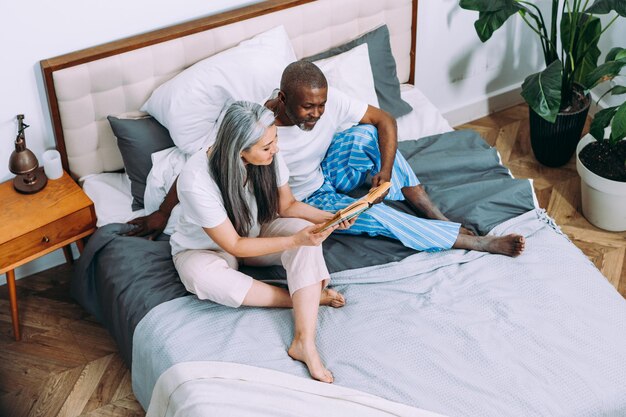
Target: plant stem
<point x="607" y="26"/>
<point x="550" y="48"/>
<point x="585" y="6"/>
<point x="553" y="23"/>
<point x="575" y="17"/>
<point x="544" y="40"/>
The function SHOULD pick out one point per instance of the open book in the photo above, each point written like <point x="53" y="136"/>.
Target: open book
<point x="356" y="208"/>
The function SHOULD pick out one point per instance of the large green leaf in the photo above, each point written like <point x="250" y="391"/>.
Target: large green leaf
<point x="605" y="6"/>
<point x="617" y="90"/>
<point x="484" y="5"/>
<point x="585" y="32"/>
<point x="618" y="125"/>
<point x="615" y="54"/>
<point x="490" y="21"/>
<point x="604" y="72"/>
<point x="542" y="91"/>
<point x="600" y="121"/>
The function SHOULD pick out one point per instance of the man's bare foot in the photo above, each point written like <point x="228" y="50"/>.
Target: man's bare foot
<point x="307" y="353"/>
<point x="332" y="298"/>
<point x="510" y="245"/>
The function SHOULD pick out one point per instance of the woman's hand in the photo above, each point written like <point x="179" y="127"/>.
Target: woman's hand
<point x="346" y="224"/>
<point x="307" y="237"/>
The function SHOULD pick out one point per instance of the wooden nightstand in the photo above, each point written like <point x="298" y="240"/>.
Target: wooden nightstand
<point x="32" y="225"/>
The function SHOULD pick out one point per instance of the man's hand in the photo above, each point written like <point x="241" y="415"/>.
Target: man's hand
<point x="150" y="226"/>
<point x="382" y="176"/>
<point x="378" y="179"/>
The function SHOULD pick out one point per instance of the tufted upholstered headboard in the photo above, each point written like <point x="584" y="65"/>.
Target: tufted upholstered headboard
<point x="86" y="86"/>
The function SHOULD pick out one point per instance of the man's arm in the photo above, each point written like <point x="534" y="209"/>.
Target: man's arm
<point x="154" y="223"/>
<point x="387" y="141"/>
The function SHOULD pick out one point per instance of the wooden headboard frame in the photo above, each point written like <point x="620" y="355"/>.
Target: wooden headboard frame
<point x="52" y="65"/>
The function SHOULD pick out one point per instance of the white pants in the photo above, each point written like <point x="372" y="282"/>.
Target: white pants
<point x="213" y="275"/>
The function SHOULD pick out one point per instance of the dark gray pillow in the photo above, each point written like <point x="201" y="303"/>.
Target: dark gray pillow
<point x="383" y="68"/>
<point x="137" y="139"/>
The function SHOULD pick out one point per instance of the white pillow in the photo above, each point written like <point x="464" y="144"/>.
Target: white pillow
<point x="189" y="104"/>
<point x="351" y="73"/>
<point x="424" y="120"/>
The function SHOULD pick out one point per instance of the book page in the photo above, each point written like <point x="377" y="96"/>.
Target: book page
<point x="356" y="208"/>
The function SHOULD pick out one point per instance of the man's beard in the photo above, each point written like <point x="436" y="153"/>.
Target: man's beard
<point x="301" y="125"/>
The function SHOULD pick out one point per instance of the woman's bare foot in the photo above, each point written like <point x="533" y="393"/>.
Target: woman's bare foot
<point x="307" y="353"/>
<point x="332" y="298"/>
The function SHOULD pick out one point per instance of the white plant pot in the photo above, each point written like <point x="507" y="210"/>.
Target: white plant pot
<point x="604" y="201"/>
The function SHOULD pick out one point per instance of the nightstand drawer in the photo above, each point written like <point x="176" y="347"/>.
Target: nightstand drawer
<point x="46" y="236"/>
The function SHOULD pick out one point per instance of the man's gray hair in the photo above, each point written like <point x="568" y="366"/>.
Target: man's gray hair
<point x="300" y="74"/>
<point x="243" y="125"/>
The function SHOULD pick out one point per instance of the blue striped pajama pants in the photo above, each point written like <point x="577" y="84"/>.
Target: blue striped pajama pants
<point x="353" y="154"/>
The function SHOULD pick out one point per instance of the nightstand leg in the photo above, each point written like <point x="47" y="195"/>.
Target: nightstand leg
<point x="67" y="251"/>
<point x="80" y="244"/>
<point x="13" y="301"/>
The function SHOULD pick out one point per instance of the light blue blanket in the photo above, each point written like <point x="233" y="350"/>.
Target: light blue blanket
<point x="457" y="332"/>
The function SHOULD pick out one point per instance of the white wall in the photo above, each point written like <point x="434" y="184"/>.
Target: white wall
<point x="458" y="72"/>
<point x="32" y="30"/>
<point x="463" y="77"/>
<point x="467" y="79"/>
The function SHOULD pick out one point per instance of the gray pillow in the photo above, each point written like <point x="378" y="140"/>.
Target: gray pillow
<point x="383" y="68"/>
<point x="137" y="139"/>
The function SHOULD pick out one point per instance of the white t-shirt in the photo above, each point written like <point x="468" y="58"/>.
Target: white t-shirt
<point x="202" y="204"/>
<point x="304" y="151"/>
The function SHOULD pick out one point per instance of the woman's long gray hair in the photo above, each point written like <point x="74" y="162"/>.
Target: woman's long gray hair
<point x="243" y="125"/>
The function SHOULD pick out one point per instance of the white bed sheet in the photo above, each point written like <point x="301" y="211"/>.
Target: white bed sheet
<point x="206" y="388"/>
<point x="112" y="197"/>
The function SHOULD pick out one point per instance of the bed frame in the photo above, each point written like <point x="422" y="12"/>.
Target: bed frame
<point x="86" y="86"/>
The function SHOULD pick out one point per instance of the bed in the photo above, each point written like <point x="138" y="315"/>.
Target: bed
<point x="423" y="334"/>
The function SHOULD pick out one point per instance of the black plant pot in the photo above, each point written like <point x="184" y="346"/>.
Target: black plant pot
<point x="555" y="143"/>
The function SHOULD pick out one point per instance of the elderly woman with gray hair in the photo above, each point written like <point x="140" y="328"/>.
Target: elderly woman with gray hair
<point x="237" y="208"/>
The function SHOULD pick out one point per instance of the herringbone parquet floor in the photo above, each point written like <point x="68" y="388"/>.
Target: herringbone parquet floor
<point x="67" y="365"/>
<point x="557" y="189"/>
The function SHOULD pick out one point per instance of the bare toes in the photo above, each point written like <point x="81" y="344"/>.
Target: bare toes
<point x="309" y="356"/>
<point x="332" y="298"/>
<point x="329" y="378"/>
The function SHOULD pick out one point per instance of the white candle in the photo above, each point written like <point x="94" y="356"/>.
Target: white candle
<point x="52" y="164"/>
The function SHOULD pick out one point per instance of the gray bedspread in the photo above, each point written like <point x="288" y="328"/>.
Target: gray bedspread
<point x="119" y="279"/>
<point x="458" y="333"/>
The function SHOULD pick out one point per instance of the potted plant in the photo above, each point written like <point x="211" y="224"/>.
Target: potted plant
<point x="601" y="157"/>
<point x="558" y="96"/>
